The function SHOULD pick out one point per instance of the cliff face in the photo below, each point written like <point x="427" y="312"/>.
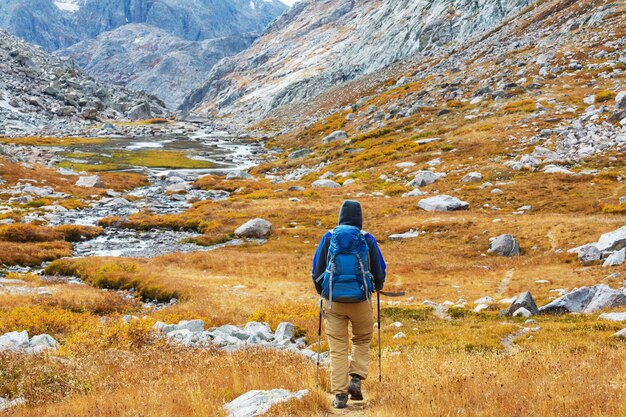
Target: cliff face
<point x="320" y="44"/>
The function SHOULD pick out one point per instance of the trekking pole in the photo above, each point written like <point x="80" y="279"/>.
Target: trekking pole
<point x="319" y="345"/>
<point x="380" y="372"/>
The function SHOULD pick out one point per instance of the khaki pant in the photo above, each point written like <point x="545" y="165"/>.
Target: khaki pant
<point x="359" y="315"/>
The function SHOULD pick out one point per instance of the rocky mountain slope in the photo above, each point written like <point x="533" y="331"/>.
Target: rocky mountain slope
<point x="142" y="57"/>
<point x="160" y="57"/>
<point x="320" y="44"/>
<point x="42" y="91"/>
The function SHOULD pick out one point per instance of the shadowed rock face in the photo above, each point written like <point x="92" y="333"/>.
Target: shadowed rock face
<point x="288" y="65"/>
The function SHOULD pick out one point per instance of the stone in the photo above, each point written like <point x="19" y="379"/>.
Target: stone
<point x="179" y="187"/>
<point x="412" y="234"/>
<point x="191" y="325"/>
<point x="616" y="258"/>
<point x="620" y="100"/>
<point x="586" y="300"/>
<point x="42" y="342"/>
<point x="480" y="307"/>
<point x="485" y="300"/>
<point x="294" y="188"/>
<point x="442" y="203"/>
<point x="6" y="404"/>
<point x="255" y="228"/>
<point x="399" y="335"/>
<point x="335" y="136"/>
<point x="261" y="331"/>
<point x="299" y="153"/>
<point x="619" y="317"/>
<point x="472" y="177"/>
<point x="522" y="312"/>
<point x="612" y="241"/>
<point x="504" y="245"/>
<point x="258" y="402"/>
<point x="555" y="169"/>
<point x="621" y="334"/>
<point x="524" y="300"/>
<point x="14" y="341"/>
<point x="325" y="184"/>
<point x="416" y="192"/>
<point x="423" y="178"/>
<point x="141" y="111"/>
<point x="285" y="331"/>
<point x="589" y="254"/>
<point x="238" y="175"/>
<point x="92" y="181"/>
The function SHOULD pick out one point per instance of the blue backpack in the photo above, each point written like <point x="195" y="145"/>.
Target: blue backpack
<point x="347" y="278"/>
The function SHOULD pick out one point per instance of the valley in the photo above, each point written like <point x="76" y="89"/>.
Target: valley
<point x="160" y="264"/>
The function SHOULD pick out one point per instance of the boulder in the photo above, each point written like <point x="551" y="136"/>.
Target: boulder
<point x="257" y="402"/>
<point x="299" y="153"/>
<point x="621" y="334"/>
<point x="442" y="203"/>
<point x="522" y="312"/>
<point x="14" y="341"/>
<point x="337" y="135"/>
<point x="616" y="258"/>
<point x="141" y="111"/>
<point x="589" y="254"/>
<point x="284" y="331"/>
<point x="261" y="331"/>
<point x="613" y="316"/>
<point x="524" y="300"/>
<point x="255" y="228"/>
<point x="472" y="177"/>
<point x="325" y="184"/>
<point x="416" y="192"/>
<point x="504" y="245"/>
<point x="42" y="342"/>
<point x="191" y="325"/>
<point x="92" y="181"/>
<point x="179" y="187"/>
<point x="423" y="178"/>
<point x="612" y="241"/>
<point x="586" y="300"/>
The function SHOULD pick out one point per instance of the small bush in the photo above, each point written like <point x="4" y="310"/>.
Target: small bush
<point x="604" y="96"/>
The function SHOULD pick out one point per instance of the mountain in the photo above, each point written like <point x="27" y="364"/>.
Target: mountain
<point x="142" y="57"/>
<point x="190" y="19"/>
<point x="317" y="45"/>
<point x="164" y="47"/>
<point x="40" y="22"/>
<point x="38" y="89"/>
<point x="60" y="24"/>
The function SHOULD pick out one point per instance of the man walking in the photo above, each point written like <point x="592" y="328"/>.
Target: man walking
<point x="347" y="267"/>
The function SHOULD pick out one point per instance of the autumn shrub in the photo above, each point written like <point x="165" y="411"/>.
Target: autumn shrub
<point x="33" y="254"/>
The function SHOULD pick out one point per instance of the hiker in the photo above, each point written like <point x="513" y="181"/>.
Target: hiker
<point x="347" y="267"/>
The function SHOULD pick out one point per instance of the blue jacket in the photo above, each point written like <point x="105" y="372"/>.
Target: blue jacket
<point x="377" y="263"/>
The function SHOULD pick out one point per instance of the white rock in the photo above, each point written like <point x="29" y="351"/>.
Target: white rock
<point x="325" y="184"/>
<point x="613" y="316"/>
<point x="14" y="341"/>
<point x="442" y="203"/>
<point x="285" y="331"/>
<point x="416" y="192"/>
<point x="399" y="335"/>
<point x="92" y="181"/>
<point x="621" y="334"/>
<point x="42" y="342"/>
<point x="337" y="135"/>
<point x="255" y="228"/>
<point x="480" y="307"/>
<point x="616" y="258"/>
<point x="405" y="164"/>
<point x="423" y="178"/>
<point x="472" y="177"/>
<point x="191" y="325"/>
<point x="522" y="312"/>
<point x="407" y="235"/>
<point x="6" y="404"/>
<point x="396" y="324"/>
<point x="485" y="300"/>
<point x="257" y="402"/>
<point x="555" y="169"/>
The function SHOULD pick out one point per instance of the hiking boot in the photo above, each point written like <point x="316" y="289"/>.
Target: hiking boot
<point x="340" y="401"/>
<point x="355" y="389"/>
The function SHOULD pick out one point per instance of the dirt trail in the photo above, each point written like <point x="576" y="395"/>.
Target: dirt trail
<point x="354" y="409"/>
<point x="505" y="283"/>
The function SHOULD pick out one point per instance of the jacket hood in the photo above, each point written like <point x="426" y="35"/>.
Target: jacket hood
<point x="351" y="214"/>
